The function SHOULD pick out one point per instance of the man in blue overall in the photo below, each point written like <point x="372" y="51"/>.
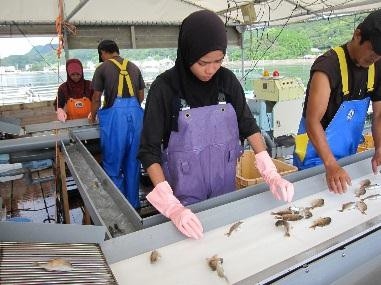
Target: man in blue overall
<point x="120" y="119"/>
<point x="342" y="83"/>
<point x="194" y="117"/>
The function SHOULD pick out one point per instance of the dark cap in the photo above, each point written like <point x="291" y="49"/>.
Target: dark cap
<point x="107" y="46"/>
<point x="371" y="30"/>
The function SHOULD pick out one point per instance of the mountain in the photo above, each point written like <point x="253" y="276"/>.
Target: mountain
<point x="37" y="57"/>
<point x="46" y="56"/>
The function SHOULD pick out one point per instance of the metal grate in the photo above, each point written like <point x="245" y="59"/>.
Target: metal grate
<point x="19" y="264"/>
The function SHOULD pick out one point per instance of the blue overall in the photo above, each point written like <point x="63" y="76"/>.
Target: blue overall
<point x="120" y="130"/>
<point x="343" y="133"/>
<point x="200" y="160"/>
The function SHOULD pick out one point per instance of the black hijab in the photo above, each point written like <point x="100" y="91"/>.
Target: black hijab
<point x="200" y="33"/>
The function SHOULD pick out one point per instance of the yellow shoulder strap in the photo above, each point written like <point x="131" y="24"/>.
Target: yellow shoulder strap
<point x="343" y="68"/>
<point x="301" y="142"/>
<point x="344" y="72"/>
<point x="123" y="74"/>
<point x="371" y="75"/>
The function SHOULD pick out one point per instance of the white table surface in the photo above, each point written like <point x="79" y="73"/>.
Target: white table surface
<point x="257" y="245"/>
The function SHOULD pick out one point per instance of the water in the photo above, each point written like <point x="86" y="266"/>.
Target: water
<point x="301" y="71"/>
<point x="21" y="79"/>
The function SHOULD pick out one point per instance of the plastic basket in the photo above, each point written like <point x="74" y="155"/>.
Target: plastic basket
<point x="247" y="174"/>
<point x="361" y="148"/>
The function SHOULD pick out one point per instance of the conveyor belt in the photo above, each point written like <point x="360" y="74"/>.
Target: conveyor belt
<point x="56" y="125"/>
<point x="259" y="252"/>
<point x="106" y="205"/>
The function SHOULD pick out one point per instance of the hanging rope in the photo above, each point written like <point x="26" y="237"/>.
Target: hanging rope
<point x="62" y="25"/>
<point x="59" y="21"/>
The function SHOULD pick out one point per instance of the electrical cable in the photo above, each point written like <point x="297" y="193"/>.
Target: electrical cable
<point x="271" y="44"/>
<point x="36" y="50"/>
<point x="46" y="206"/>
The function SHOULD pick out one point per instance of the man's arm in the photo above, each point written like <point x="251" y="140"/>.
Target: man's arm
<point x="337" y="178"/>
<point x="95" y="105"/>
<point x="316" y="107"/>
<point x="376" y="133"/>
<point x="141" y="95"/>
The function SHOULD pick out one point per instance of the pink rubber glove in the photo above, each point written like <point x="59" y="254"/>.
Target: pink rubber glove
<point x="162" y="198"/>
<point x="281" y="188"/>
<point x="61" y="115"/>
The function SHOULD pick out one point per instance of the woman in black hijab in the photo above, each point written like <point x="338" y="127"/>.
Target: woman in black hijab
<point x="196" y="113"/>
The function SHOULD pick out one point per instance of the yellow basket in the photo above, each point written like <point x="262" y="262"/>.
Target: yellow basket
<point x="367" y="144"/>
<point x="247" y="173"/>
<point x="368" y="141"/>
<point x="361" y="148"/>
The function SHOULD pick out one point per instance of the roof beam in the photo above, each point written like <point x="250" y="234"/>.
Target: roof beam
<point x="130" y="37"/>
<point x="127" y="36"/>
<point x="76" y="9"/>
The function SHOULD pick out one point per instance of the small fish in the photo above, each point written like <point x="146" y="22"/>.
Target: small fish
<point x="317" y="203"/>
<point x="116" y="227"/>
<point x="215" y="263"/>
<point x="154" y="257"/>
<point x="295" y="209"/>
<point x="57" y="264"/>
<point x="373" y="187"/>
<point x="233" y="228"/>
<point x="283" y="212"/>
<point x="365" y="183"/>
<point x="286" y="226"/>
<point x="321" y="222"/>
<point x="347" y="206"/>
<point x="112" y="231"/>
<point x="290" y="217"/>
<point x="371" y="197"/>
<point x="359" y="192"/>
<point x="220" y="271"/>
<point x="361" y="206"/>
<point x="307" y="213"/>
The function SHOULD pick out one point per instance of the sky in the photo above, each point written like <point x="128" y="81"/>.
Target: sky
<point x="20" y="46"/>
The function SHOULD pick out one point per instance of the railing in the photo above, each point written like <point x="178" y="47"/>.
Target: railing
<point x="27" y="94"/>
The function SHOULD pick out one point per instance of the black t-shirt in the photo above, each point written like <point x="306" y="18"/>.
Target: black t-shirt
<point x="357" y="81"/>
<point x="106" y="79"/>
<point x="159" y="110"/>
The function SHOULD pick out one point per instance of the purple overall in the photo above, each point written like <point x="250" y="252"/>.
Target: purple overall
<point x="200" y="160"/>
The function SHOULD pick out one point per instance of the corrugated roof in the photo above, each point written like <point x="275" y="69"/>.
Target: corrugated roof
<point x="273" y="12"/>
<point x="154" y="23"/>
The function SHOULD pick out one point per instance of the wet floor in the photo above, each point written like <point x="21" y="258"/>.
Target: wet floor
<point x="29" y="201"/>
<point x="37" y="202"/>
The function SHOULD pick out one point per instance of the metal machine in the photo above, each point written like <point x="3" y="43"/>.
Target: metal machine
<point x="347" y="251"/>
<point x="259" y="252"/>
<point x="277" y="106"/>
